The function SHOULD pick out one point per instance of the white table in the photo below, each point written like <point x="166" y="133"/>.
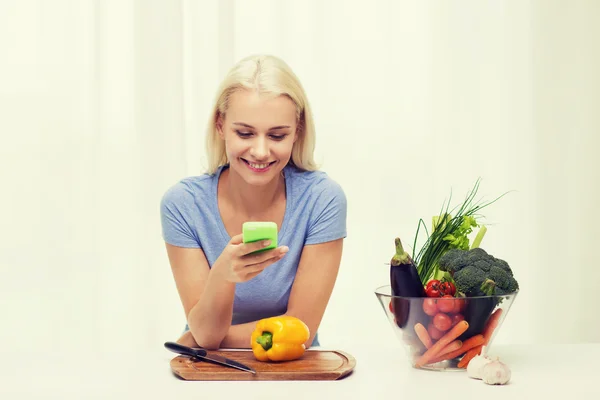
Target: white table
<point x="566" y="371"/>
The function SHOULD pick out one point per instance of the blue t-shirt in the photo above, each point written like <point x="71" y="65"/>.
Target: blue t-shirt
<point x="315" y="212"/>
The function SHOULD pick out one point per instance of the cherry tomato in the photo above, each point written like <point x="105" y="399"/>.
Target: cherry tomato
<point x="430" y="307"/>
<point x="434" y="332"/>
<point x="432" y="289"/>
<point x="446" y="304"/>
<point x="442" y="322"/>
<point x="447" y="288"/>
<point x="456" y="318"/>
<point x="459" y="305"/>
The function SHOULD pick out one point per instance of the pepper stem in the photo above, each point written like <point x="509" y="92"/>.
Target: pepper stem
<point x="265" y="340"/>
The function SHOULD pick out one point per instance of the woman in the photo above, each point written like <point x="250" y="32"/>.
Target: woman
<point x="260" y="145"/>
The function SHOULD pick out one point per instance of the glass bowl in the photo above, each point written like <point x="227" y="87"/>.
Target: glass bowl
<point x="421" y="322"/>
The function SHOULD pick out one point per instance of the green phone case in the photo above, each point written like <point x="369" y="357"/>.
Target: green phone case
<point x="260" y="230"/>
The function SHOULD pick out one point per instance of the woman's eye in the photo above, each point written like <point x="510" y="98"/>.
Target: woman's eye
<point x="244" y="134"/>
<point x="278" y="137"/>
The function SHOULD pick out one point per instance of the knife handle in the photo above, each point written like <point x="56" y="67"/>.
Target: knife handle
<point x="181" y="349"/>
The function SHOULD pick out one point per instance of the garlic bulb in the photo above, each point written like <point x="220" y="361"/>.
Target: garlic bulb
<point x="495" y="373"/>
<point x="475" y="366"/>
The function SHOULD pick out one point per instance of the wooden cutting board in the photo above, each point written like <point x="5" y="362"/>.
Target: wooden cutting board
<point x="313" y="365"/>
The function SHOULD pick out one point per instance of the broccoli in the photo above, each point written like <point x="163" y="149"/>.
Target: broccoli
<point x="468" y="280"/>
<point x="504" y="265"/>
<point x="477" y="273"/>
<point x="477" y="254"/>
<point x="502" y="278"/>
<point x="483" y="264"/>
<point x="453" y="260"/>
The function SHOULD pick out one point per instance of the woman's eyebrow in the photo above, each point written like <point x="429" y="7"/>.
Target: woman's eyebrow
<point x="250" y="126"/>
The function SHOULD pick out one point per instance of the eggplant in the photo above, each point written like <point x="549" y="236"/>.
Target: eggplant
<point x="405" y="282"/>
<point x="404" y="276"/>
<point x="476" y="313"/>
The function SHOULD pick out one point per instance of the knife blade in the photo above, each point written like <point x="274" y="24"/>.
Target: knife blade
<point x="202" y="354"/>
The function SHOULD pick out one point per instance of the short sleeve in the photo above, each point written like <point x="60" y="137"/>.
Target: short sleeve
<point x="328" y="217"/>
<point x="176" y="215"/>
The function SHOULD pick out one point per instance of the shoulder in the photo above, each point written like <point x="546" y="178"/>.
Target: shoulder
<point x="321" y="201"/>
<point x="184" y="209"/>
<point x="315" y="184"/>
<point x="189" y="191"/>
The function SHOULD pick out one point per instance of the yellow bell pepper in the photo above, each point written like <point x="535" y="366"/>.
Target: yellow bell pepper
<point x="279" y="338"/>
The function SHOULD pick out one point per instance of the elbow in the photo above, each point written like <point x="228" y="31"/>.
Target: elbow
<point x="312" y="326"/>
<point x="208" y="343"/>
<point x="309" y="342"/>
<point x="197" y="339"/>
<point x="211" y="346"/>
<point x="312" y="333"/>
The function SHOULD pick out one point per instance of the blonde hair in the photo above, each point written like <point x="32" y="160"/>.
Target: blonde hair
<point x="267" y="75"/>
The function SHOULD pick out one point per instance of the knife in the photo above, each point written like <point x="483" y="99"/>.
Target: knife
<point x="203" y="355"/>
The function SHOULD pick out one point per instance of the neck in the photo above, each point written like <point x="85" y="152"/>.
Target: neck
<point x="252" y="200"/>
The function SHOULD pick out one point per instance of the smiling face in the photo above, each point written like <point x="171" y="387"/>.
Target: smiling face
<point x="259" y="134"/>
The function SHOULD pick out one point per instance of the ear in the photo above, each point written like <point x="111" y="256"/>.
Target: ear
<point x="219" y="125"/>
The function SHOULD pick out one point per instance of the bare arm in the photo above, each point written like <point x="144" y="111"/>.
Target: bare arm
<point x="238" y="336"/>
<point x="207" y="293"/>
<point x="206" y="297"/>
<point x="315" y="279"/>
<point x="313" y="285"/>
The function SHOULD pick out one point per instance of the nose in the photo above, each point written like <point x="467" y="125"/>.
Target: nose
<point x="260" y="149"/>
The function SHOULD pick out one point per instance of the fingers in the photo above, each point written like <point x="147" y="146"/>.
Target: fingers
<point x="255" y="269"/>
<point x="237" y="239"/>
<point x="249" y="266"/>
<point x="252" y="275"/>
<point x="247" y="248"/>
<point x="257" y="258"/>
<point x="246" y="262"/>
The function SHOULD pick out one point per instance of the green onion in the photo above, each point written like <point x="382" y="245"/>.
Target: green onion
<point x="445" y="226"/>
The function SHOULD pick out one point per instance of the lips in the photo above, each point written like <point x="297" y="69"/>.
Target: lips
<point x="258" y="167"/>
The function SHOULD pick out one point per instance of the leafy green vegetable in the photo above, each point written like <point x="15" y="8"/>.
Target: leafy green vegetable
<point x="479" y="237"/>
<point x="477" y="273"/>
<point x="459" y="239"/>
<point x="449" y="232"/>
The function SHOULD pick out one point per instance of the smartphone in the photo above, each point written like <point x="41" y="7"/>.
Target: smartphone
<point x="254" y="231"/>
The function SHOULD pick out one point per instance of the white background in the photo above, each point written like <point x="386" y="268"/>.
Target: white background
<point x="103" y="106"/>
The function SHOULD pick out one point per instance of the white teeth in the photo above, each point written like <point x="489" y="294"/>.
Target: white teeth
<point x="258" y="166"/>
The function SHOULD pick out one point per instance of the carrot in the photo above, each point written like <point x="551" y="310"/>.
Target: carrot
<point x="423" y="335"/>
<point x="468" y="344"/>
<point x="452" y="346"/>
<point x="448" y="337"/>
<point x="491" y="325"/>
<point x="488" y="330"/>
<point x="469" y="356"/>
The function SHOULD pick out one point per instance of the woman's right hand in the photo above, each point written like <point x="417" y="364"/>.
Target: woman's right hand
<point x="238" y="265"/>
